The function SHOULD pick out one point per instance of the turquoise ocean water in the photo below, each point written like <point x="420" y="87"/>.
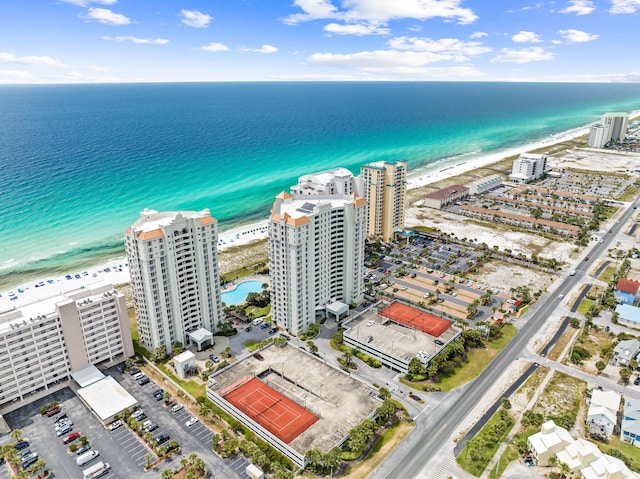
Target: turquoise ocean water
<point x="79" y="162"/>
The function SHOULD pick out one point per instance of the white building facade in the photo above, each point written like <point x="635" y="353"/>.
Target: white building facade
<point x="528" y="167"/>
<point x="616" y="122"/>
<point x="173" y="262"/>
<point x="385" y="189"/>
<point x="42" y="343"/>
<point x="598" y="135"/>
<point x="316" y="254"/>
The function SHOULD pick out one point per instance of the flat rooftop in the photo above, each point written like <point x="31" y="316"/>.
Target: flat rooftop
<point x="393" y="338"/>
<point x="339" y="401"/>
<point x="106" y="398"/>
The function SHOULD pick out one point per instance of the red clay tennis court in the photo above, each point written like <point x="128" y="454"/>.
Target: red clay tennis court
<point x="414" y="318"/>
<point x="276" y="413"/>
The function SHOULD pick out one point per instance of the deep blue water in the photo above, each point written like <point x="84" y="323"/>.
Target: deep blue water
<point x="79" y="162"/>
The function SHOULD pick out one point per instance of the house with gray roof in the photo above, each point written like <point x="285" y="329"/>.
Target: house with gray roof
<point x="625" y="352"/>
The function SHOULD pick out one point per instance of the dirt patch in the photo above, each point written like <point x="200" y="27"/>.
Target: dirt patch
<point x="506" y="276"/>
<point x="502" y="236"/>
<point x="562" y="396"/>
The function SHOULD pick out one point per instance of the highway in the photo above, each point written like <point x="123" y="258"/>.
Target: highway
<point x="432" y="433"/>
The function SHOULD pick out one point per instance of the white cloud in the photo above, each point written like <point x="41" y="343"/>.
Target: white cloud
<point x="526" y="55"/>
<point x="478" y="35"/>
<point x="579" y="7"/>
<point x="526" y="37"/>
<point x="85" y="3"/>
<point x="577" y="36"/>
<point x="356" y="29"/>
<point x="215" y="47"/>
<point x="535" y="6"/>
<point x="31" y="60"/>
<point x="394" y="63"/>
<point x="106" y="16"/>
<point x="154" y="41"/>
<point x="381" y="11"/>
<point x="263" y="49"/>
<point x="624" y="6"/>
<point x="449" y="46"/>
<point x="195" y="19"/>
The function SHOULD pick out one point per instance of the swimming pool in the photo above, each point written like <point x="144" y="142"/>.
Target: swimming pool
<point x="238" y="294"/>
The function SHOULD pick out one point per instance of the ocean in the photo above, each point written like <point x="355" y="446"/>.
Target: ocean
<point x="79" y="162"/>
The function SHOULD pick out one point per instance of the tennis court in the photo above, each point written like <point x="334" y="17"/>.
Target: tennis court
<point x="416" y="319"/>
<point x="276" y="413"/>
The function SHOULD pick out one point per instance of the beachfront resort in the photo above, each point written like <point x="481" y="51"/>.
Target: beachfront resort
<point x="367" y="298"/>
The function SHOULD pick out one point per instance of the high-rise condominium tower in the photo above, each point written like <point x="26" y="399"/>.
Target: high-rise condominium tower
<point x="385" y="189"/>
<point x="173" y="262"/>
<point x="316" y="253"/>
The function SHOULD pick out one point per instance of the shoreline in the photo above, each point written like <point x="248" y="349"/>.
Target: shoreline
<point x="247" y="234"/>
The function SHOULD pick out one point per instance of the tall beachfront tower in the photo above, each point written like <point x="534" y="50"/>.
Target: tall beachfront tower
<point x="385" y="189"/>
<point x="173" y="261"/>
<point x="617" y="123"/>
<point x="316" y="254"/>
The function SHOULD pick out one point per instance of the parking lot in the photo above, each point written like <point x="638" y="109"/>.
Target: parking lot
<point x="39" y="431"/>
<point x="195" y="438"/>
<point x="121" y="448"/>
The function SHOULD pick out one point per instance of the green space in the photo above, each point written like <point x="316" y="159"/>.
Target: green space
<point x="607" y="274"/>
<point x="477" y="453"/>
<point x="257" y="312"/>
<point x="509" y="455"/>
<point x="478" y="360"/>
<point x="196" y="390"/>
<point x="585" y="306"/>
<point x="631" y="454"/>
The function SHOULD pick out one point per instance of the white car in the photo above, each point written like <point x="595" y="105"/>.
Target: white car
<point x="115" y="425"/>
<point x="192" y="420"/>
<point x="176" y="407"/>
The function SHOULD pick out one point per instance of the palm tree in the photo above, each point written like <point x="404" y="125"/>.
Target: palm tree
<point x="167" y="473"/>
<point x="347" y="357"/>
<point x="147" y="458"/>
<point x="16" y="434"/>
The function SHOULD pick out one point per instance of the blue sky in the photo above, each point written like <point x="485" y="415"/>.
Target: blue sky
<point x="87" y="41"/>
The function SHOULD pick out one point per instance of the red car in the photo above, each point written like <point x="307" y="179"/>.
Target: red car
<point x="53" y="412"/>
<point x="71" y="437"/>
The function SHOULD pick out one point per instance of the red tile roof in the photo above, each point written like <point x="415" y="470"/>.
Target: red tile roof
<point x="628" y="286"/>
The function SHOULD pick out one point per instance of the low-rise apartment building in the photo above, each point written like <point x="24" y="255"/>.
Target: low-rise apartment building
<point x="43" y="343"/>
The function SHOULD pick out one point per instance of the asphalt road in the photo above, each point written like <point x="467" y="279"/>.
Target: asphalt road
<point x="431" y="433"/>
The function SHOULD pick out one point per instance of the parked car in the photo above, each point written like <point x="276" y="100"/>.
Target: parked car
<point x="176" y="407"/>
<point x="258" y="356"/>
<point x="67" y="429"/>
<point x="637" y="381"/>
<point x="134" y="370"/>
<point x="21" y="445"/>
<point x="144" y="380"/>
<point x="273" y="330"/>
<point x="191" y="421"/>
<point x="214" y="358"/>
<point x="115" y="425"/>
<point x="248" y="329"/>
<point x="59" y="418"/>
<point x="83" y="449"/>
<point x="71" y="437"/>
<point x="53" y="411"/>
<point x="438" y="342"/>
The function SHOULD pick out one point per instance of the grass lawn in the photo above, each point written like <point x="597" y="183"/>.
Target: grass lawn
<point x="509" y="455"/>
<point x="252" y="344"/>
<point x="478" y="360"/>
<point x="632" y="453"/>
<point x="607" y="274"/>
<point x="254" y="312"/>
<point x="585" y="305"/>
<point x="387" y="441"/>
<point x="477" y="453"/>
<point x="193" y="388"/>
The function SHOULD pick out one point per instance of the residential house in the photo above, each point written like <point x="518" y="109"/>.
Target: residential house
<point x="630" y="424"/>
<point x="550" y="440"/>
<point x="628" y="315"/>
<point x="626" y="291"/>
<point x="625" y="352"/>
<point x="602" y="415"/>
